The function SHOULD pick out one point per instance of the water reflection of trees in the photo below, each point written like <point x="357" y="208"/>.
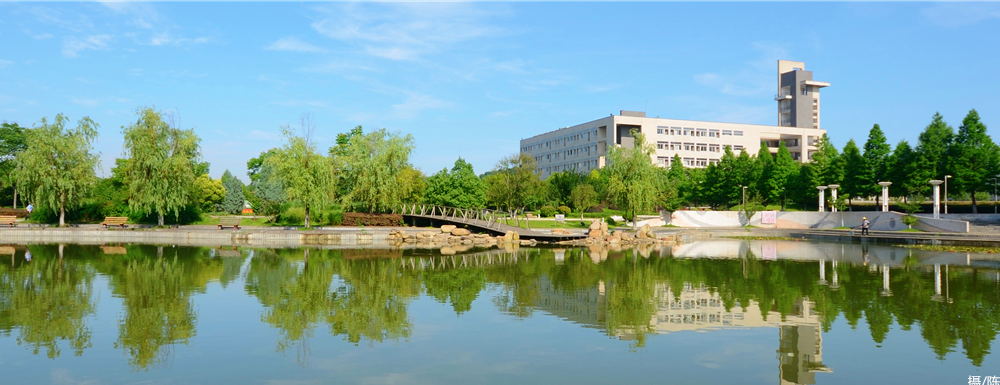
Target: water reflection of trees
<point x="156" y="285"/>
<point x="47" y="300"/>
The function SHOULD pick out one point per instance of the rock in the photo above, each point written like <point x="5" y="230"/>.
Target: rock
<point x="604" y="227"/>
<point x="447" y="228"/>
<point x="595" y="225"/>
<point x="426" y="234"/>
<point x="511" y="236"/>
<point x="595" y="233"/>
<point x="641" y="235"/>
<point x="459" y="231"/>
<point x="447" y="250"/>
<point x="614" y="239"/>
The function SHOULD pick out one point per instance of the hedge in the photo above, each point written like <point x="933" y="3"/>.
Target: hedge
<point x="365" y="219"/>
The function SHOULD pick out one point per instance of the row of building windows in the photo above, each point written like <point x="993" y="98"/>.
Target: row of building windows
<point x="589" y="164"/>
<point x="697" y="132"/>
<point x="665" y="161"/>
<point x="678" y="146"/>
<point x="567" y="153"/>
<point x="561" y="141"/>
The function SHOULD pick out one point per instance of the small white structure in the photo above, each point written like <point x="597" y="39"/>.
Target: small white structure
<point x="937" y="197"/>
<point x="822" y="198"/>
<point x="885" y="195"/>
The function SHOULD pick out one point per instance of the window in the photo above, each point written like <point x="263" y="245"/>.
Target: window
<point x="663" y="161"/>
<point x="676" y="146"/>
<point x="713" y="133"/>
<point x="701" y="162"/>
<point x="805" y="90"/>
<point x="702" y="132"/>
<point x="713" y="148"/>
<point x="737" y="133"/>
<point x="689" y="162"/>
<point x="702" y="147"/>
<point x="727" y="133"/>
<point x="737" y="148"/>
<point x="659" y="131"/>
<point x="688" y="146"/>
<point x="662" y="145"/>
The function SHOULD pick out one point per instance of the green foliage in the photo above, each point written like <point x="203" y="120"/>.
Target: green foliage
<point x="268" y="191"/>
<point x="974" y="158"/>
<point x="902" y="170"/>
<point x="582" y="197"/>
<point x="632" y="175"/>
<point x="370" y="166"/>
<point x="854" y="172"/>
<point x="547" y="211"/>
<point x="565" y="210"/>
<point x="932" y="152"/>
<point x="458" y="188"/>
<point x="13" y="140"/>
<point x="306" y="176"/>
<point x="207" y="193"/>
<point x="910" y="220"/>
<point x="561" y="184"/>
<point x="413" y="184"/>
<point x="233" y="202"/>
<point x="513" y="184"/>
<point x="160" y="171"/>
<point x="57" y="168"/>
<point x="876" y="157"/>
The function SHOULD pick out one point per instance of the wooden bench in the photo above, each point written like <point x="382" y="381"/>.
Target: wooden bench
<point x="233" y="222"/>
<point x="114" y="221"/>
<point x="8" y="220"/>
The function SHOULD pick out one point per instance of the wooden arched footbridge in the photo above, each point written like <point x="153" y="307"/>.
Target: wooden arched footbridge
<point x="481" y="220"/>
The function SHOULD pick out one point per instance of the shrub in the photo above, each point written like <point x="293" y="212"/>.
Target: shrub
<point x="365" y="219"/>
<point x="547" y="211"/>
<point x="611" y="221"/>
<point x="595" y="209"/>
<point x="565" y="210"/>
<point x="909" y="220"/>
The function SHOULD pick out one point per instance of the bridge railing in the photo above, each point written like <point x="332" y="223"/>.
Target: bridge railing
<point x="493" y="218"/>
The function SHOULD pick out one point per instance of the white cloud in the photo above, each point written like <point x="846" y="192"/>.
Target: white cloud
<point x="416" y="103"/>
<point x="73" y="45"/>
<point x="406" y="31"/>
<point x="293" y="44"/>
<point x="86" y="102"/>
<point x="143" y="15"/>
<point x="954" y="15"/>
<point x="164" y="38"/>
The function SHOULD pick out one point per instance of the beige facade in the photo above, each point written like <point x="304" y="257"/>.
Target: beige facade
<point x="584" y="147"/>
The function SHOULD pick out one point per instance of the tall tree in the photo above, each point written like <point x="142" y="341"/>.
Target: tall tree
<point x="975" y="159"/>
<point x="57" y="168"/>
<point x="513" y="182"/>
<point x="827" y="162"/>
<point x="208" y="193"/>
<point x="268" y="191"/>
<point x="162" y="161"/>
<point x="13" y="140"/>
<point x="582" y="197"/>
<point x="932" y="152"/>
<point x="561" y="184"/>
<point x="234" y="200"/>
<point x="853" y="185"/>
<point x="781" y="180"/>
<point x="902" y="170"/>
<point x="765" y="163"/>
<point x="370" y="165"/>
<point x="632" y="176"/>
<point x="306" y="175"/>
<point x="413" y="184"/>
<point x="876" y="155"/>
<point x="458" y="188"/>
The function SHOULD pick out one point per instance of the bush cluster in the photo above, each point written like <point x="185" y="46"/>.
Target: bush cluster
<point x="547" y="211"/>
<point x="364" y="219"/>
<point x="565" y="210"/>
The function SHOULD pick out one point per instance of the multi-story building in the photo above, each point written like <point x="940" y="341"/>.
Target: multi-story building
<point x="584" y="147"/>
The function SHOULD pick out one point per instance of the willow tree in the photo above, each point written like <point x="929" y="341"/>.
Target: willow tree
<point x="58" y="167"/>
<point x="306" y="176"/>
<point x="372" y="165"/>
<point x="632" y="176"/>
<point x="160" y="171"/>
<point x="513" y="183"/>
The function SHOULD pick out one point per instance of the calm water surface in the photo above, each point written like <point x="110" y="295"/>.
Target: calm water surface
<point x="715" y="312"/>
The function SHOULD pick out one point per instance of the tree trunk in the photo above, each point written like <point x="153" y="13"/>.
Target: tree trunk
<point x="159" y="219"/>
<point x="974" y="210"/>
<point x="850" y="204"/>
<point x="307" y="215"/>
<point x="62" y="214"/>
<point x="15" y="198"/>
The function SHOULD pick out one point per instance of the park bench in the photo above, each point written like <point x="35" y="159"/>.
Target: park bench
<point x="8" y="220"/>
<point x="233" y="222"/>
<point x="114" y="221"/>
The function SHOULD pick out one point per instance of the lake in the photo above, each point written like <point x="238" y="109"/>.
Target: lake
<point x="732" y="311"/>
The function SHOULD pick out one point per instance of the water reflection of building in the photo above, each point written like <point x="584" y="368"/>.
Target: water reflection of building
<point x="695" y="308"/>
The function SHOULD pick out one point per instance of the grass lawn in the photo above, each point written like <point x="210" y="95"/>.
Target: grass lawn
<point x="911" y="231"/>
<point x="247" y="220"/>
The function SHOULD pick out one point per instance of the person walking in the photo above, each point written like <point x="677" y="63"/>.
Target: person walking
<point x="30" y="208"/>
<point x="864" y="225"/>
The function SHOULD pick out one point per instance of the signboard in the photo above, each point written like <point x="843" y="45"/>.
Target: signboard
<point x="769" y="251"/>
<point x="560" y="218"/>
<point x="768" y="217"/>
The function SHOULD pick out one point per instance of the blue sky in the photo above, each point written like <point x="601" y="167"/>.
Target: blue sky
<point x="471" y="79"/>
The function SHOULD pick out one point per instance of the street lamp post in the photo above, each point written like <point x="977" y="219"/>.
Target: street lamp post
<point x="946" y="177"/>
